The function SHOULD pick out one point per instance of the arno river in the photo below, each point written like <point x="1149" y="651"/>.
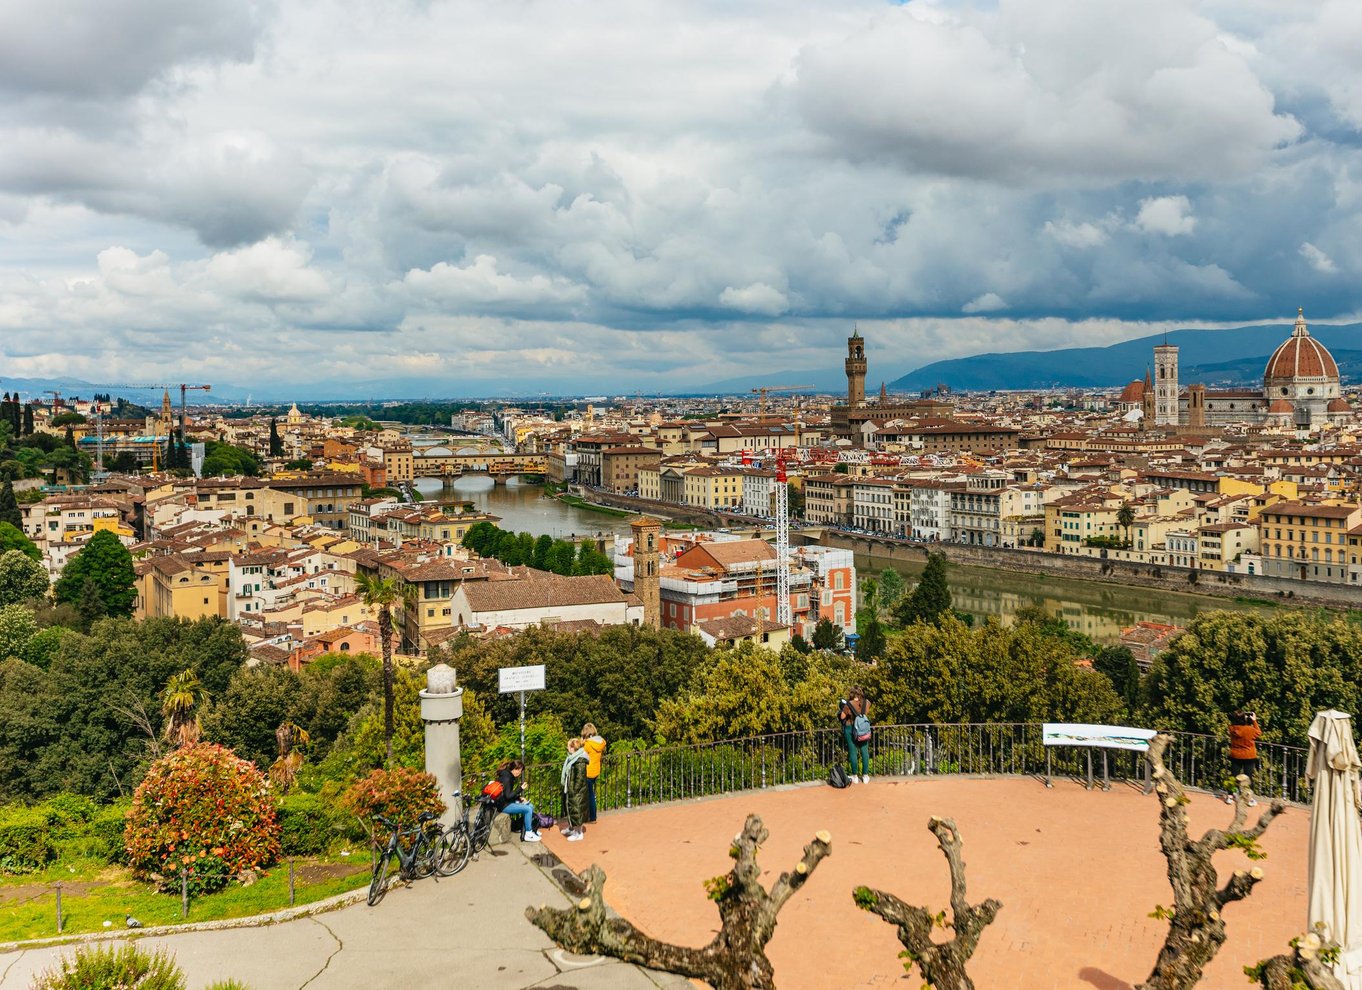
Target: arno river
<point x="1100" y="610"/>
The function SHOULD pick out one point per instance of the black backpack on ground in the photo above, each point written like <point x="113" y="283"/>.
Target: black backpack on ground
<point x="837" y="777"/>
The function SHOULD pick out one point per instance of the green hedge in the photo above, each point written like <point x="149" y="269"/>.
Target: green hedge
<point x="309" y="824"/>
<point x="26" y="839"/>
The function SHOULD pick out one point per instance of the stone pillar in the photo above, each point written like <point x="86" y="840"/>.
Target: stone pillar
<point x="441" y="709"/>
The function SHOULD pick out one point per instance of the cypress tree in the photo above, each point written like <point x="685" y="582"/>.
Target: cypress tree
<point x="276" y="444"/>
<point x="9" y="505"/>
<point x="28" y="419"/>
<point x="70" y="438"/>
<point x="931" y="598"/>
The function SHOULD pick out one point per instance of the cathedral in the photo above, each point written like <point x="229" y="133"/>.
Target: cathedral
<point x="1300" y="389"/>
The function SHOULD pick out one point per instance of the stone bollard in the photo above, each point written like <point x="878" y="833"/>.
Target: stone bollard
<point x="441" y="709"/>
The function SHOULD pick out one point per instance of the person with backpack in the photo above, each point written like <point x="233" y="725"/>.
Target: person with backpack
<point x="574" y="790"/>
<point x="507" y="791"/>
<point x="854" y="714"/>
<point x="594" y="744"/>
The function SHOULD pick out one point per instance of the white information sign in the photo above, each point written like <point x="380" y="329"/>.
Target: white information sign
<point x="521" y="679"/>
<point x="1098" y="736"/>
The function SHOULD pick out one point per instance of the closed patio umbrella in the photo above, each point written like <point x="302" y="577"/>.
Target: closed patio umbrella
<point x="1335" y="884"/>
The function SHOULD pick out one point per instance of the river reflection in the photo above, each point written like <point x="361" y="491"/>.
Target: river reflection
<point x="1099" y="610"/>
<point x="523" y="508"/>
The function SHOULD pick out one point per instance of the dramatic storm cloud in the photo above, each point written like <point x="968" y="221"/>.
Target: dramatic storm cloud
<point x="623" y="196"/>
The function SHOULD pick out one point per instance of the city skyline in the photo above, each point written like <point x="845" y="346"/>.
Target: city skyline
<point x="639" y="197"/>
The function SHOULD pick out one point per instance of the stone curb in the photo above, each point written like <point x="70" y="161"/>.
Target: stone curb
<point x="332" y="903"/>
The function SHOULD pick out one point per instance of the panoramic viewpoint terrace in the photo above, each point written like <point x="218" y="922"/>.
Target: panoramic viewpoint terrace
<point x="1075" y="864"/>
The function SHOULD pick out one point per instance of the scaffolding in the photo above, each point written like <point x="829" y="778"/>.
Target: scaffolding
<point x="783" y="613"/>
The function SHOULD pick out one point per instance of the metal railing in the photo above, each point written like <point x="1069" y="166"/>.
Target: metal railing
<point x="672" y="773"/>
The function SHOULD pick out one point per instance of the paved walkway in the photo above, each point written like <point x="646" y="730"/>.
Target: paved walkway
<point x="1077" y="873"/>
<point x="468" y="931"/>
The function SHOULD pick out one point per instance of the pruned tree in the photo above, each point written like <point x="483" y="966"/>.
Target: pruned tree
<point x="735" y="959"/>
<point x="1196" y="929"/>
<point x="942" y="963"/>
<point x="1309" y="964"/>
<point x="292" y="739"/>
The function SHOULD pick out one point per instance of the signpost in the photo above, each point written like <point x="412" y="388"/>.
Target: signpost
<point x="1103" y="737"/>
<point x="521" y="679"/>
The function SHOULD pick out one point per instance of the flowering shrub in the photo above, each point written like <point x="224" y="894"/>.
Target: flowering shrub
<point x="204" y="811"/>
<point x="400" y="795"/>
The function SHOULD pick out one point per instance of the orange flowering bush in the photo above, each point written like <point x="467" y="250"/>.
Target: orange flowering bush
<point x="399" y="795"/>
<point x="205" y="812"/>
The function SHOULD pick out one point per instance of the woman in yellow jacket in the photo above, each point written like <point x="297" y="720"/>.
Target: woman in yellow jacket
<point x="595" y="749"/>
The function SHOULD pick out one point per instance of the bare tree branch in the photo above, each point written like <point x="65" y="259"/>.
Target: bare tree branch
<point x="942" y="963"/>
<point x="1196" y="930"/>
<point x="735" y="959"/>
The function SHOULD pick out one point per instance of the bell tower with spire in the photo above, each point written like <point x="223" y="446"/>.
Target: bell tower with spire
<point x="855" y="365"/>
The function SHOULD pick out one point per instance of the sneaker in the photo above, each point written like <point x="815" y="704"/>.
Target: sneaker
<point x="531" y="837"/>
<point x="865" y="778"/>
<point x="576" y="836"/>
<point x="1229" y="799"/>
<point x="853" y="779"/>
<point x="565" y="830"/>
<point x="1253" y="802"/>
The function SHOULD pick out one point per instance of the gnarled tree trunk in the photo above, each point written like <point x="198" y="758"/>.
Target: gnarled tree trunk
<point x="942" y="963"/>
<point x="1196" y="930"/>
<point x="735" y="959"/>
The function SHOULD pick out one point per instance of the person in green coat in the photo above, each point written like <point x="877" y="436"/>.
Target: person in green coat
<point x="575" y="790"/>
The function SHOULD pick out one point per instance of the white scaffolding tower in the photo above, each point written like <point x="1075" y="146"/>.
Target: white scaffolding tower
<point x="783" y="614"/>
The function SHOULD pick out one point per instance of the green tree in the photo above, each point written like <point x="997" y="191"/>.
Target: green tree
<point x="382" y="594"/>
<point x="743" y="692"/>
<point x="224" y="459"/>
<point x="931" y="599"/>
<point x="1125" y="517"/>
<point x="70" y="438"/>
<point x="871" y="641"/>
<point x="561" y="558"/>
<point x="591" y="560"/>
<point x="28" y="419"/>
<point x="107" y="562"/>
<point x="508" y="549"/>
<point x="1285" y="666"/>
<point x="22" y="578"/>
<point x="90" y="607"/>
<point x="542" y="546"/>
<point x="17" y="629"/>
<point x="181" y="700"/>
<point x="892" y="588"/>
<point x="1119" y="666"/>
<point x="301" y="464"/>
<point x="256" y="702"/>
<point x="826" y="635"/>
<point x="12" y="538"/>
<point x="276" y="443"/>
<point x="124" y="463"/>
<point x="9" y="505"/>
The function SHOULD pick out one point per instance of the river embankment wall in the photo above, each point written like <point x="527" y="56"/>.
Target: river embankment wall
<point x="1135" y="574"/>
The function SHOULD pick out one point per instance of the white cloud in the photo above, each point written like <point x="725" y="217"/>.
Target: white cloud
<point x="1318" y="260"/>
<point x="480" y="284"/>
<point x="1075" y="235"/>
<point x="989" y="302"/>
<point x="758" y="298"/>
<point x="1167" y="215"/>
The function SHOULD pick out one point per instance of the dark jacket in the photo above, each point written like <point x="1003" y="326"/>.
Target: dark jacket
<point x="510" y="787"/>
<point x="575" y="795"/>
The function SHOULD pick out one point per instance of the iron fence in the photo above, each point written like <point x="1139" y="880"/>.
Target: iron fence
<point x="672" y="773"/>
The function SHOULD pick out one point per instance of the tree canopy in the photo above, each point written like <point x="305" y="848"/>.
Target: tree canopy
<point x="105" y="561"/>
<point x="22" y="578"/>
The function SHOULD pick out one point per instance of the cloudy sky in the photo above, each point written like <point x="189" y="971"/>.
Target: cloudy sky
<point x="470" y="197"/>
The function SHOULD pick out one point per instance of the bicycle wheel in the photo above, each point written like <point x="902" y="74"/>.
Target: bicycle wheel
<point x="423" y="860"/>
<point x="452" y="851"/>
<point x="378" y="885"/>
<point x="482" y="827"/>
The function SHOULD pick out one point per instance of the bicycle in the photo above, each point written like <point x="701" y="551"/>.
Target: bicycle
<point x="465" y="839"/>
<point x="416" y="863"/>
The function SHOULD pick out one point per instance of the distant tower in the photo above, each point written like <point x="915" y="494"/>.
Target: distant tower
<point x="1166" y="385"/>
<point x="1196" y="407"/>
<point x="167" y="412"/>
<point x="647" y="578"/>
<point x="855" y="370"/>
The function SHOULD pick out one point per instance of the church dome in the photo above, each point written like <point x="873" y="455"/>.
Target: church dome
<point x="1339" y="405"/>
<point x="1301" y="356"/>
<point x="1132" y="393"/>
<point x="1279" y="406"/>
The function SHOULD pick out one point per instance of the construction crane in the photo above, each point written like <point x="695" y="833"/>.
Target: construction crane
<point x="184" y="390"/>
<point x="784" y="615"/>
<point x="762" y="390"/>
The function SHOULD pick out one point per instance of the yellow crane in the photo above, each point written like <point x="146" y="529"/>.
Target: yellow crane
<point x="763" y="390"/>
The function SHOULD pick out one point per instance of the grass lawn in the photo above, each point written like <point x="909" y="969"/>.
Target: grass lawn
<point x="582" y="503"/>
<point x="94" y="892"/>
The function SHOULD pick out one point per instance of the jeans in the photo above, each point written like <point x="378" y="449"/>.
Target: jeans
<point x="854" y="750"/>
<point x="523" y="808"/>
<point x="591" y="799"/>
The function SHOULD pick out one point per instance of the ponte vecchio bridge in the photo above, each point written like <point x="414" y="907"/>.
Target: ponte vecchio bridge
<point x="441" y="462"/>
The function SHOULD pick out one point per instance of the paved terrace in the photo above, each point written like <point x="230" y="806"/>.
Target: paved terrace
<point x="1077" y="872"/>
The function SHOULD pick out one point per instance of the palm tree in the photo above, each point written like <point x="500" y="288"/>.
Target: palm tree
<point x="291" y="738"/>
<point x="180" y="701"/>
<point x="1125" y="517"/>
<point x="382" y="594"/>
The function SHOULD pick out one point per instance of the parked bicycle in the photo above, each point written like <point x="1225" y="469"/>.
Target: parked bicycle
<point x="425" y="854"/>
<point x="466" y="838"/>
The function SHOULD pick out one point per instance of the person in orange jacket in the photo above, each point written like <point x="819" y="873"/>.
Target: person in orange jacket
<point x="1244" y="735"/>
<point x="595" y="749"/>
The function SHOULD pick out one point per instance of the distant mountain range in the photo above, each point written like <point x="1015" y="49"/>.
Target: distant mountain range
<point x="1214" y="357"/>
